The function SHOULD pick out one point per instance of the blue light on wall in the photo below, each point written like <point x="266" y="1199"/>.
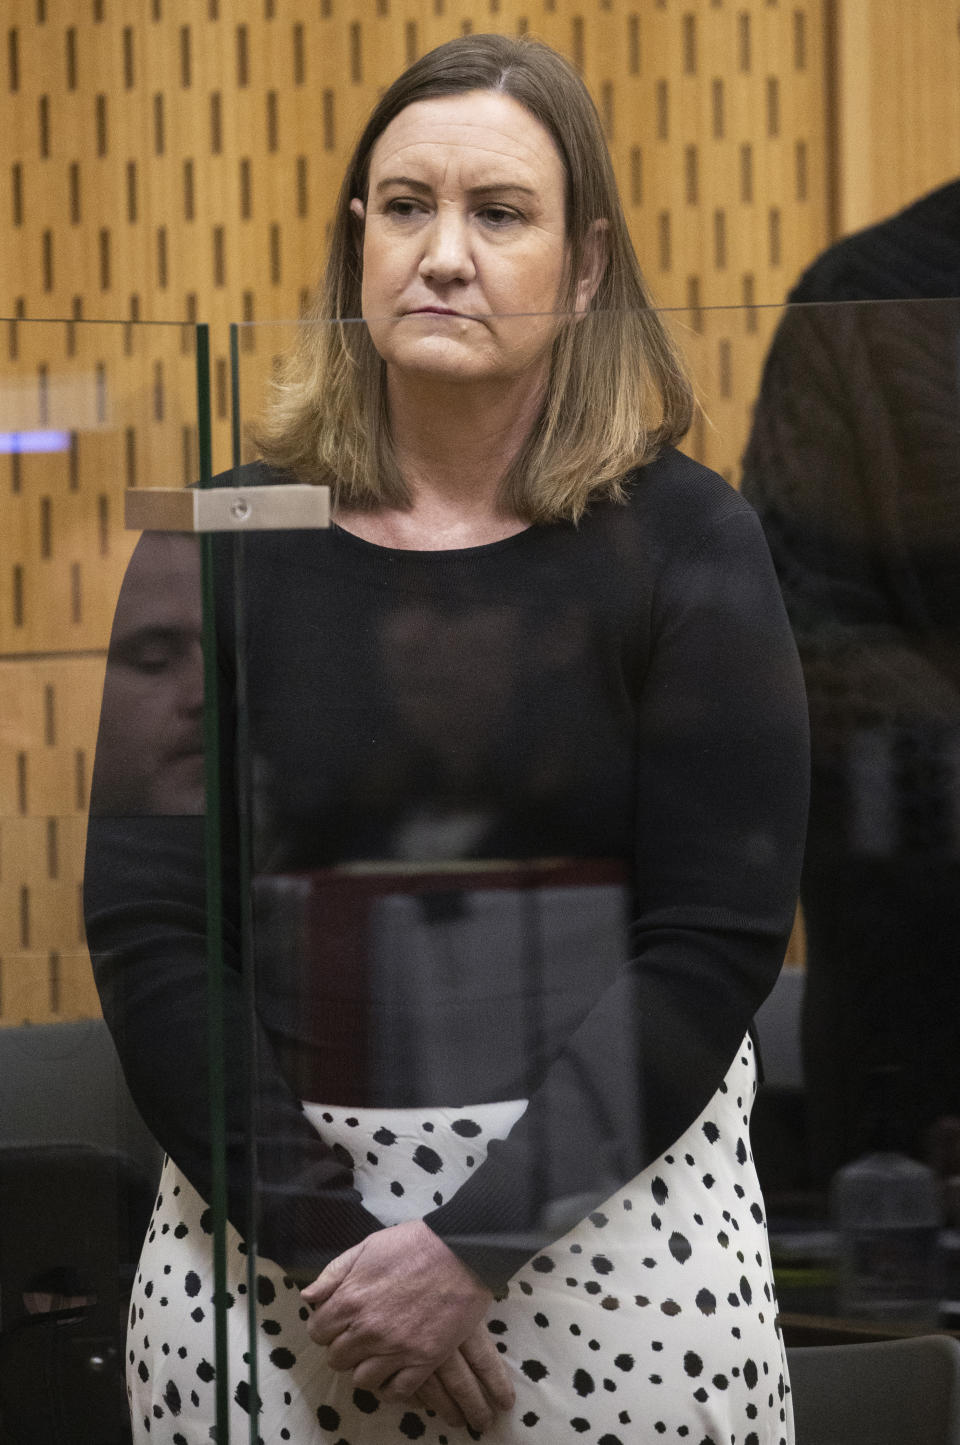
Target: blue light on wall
<point x="34" y="441"/>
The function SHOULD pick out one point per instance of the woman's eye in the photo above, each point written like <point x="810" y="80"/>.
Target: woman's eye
<point x="499" y="215"/>
<point x="403" y="207"/>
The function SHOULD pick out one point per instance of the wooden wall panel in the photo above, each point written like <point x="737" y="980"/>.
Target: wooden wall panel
<point x="898" y="89"/>
<point x="112" y="406"/>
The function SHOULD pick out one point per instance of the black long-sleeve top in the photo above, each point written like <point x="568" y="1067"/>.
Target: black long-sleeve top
<point x="625" y="693"/>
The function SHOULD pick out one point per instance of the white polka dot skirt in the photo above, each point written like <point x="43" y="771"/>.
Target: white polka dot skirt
<point x="652" y="1318"/>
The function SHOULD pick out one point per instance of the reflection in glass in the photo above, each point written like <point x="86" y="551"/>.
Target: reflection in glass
<point x="150" y="745"/>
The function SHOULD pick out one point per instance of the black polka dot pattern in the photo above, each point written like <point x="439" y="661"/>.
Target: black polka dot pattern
<point x="656" y="1308"/>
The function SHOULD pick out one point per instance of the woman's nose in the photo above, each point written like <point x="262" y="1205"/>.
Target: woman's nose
<point x="447" y="252"/>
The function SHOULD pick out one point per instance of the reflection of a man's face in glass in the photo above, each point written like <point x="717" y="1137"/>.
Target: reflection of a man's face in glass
<point x="150" y="746"/>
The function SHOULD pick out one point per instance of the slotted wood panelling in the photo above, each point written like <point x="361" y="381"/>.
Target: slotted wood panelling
<point x="177" y="160"/>
<point x="115" y="405"/>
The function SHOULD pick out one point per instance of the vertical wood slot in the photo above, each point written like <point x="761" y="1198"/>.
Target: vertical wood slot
<point x="411" y="42"/>
<point x="243" y="57"/>
<point x="70" y="43"/>
<point x="159" y="125"/>
<point x="46" y="529"/>
<point x="356" y="53"/>
<point x="799" y="40"/>
<point x="128" y="70"/>
<point x="720" y="239"/>
<point x="76" y="593"/>
<point x="159" y="398"/>
<point x="103" y="524"/>
<point x="43" y="394"/>
<point x="725" y="368"/>
<point x="689" y="43"/>
<point x="132" y="207"/>
<point x="13" y="60"/>
<point x="130" y="455"/>
<point x="636" y="176"/>
<point x="80" y="780"/>
<point x="299" y="56"/>
<point x="162" y="258"/>
<point x="53" y="978"/>
<point x="774" y="230"/>
<point x="104" y="253"/>
<point x="749" y="293"/>
<point x="100" y="111"/>
<point x="73" y="462"/>
<point x="16" y="193"/>
<point x="718" y="122"/>
<point x="73" y="187"/>
<point x="186" y="58"/>
<point x="189" y="207"/>
<point x="773" y="106"/>
<point x="24" y="912"/>
<point x="303" y="188"/>
<point x="53" y="849"/>
<point x="50" y="715"/>
<point x="691" y="175"/>
<point x="329" y="128"/>
<point x="43" y="125"/>
<point x="219" y="257"/>
<point x="800" y="170"/>
<point x="633" y="44"/>
<point x="694" y="304"/>
<point x="190" y="450"/>
<point x="100" y="392"/>
<point x="22" y="797"/>
<point x="273" y="122"/>
<point x="46" y="260"/>
<point x="216" y="125"/>
<point x="663" y="109"/>
<point x="664" y="239"/>
<point x="744" y="43"/>
<point x="746" y="174"/>
<point x="577" y="44"/>
<point x="275" y="270"/>
<point x="246" y="203"/>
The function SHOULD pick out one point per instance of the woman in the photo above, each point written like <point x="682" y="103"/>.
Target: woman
<point x="536" y="632"/>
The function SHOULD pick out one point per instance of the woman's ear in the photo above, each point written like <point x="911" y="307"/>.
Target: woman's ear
<point x="357" y="209"/>
<point x="593" y="263"/>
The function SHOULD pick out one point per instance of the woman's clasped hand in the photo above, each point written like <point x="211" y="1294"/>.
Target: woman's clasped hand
<point x="406" y="1317"/>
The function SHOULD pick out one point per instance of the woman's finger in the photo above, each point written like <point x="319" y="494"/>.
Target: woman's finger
<point x="374" y="1373"/>
<point x="433" y="1396"/>
<point x="481" y="1354"/>
<point x="466" y="1391"/>
<point x="406" y="1382"/>
<point x="329" y="1278"/>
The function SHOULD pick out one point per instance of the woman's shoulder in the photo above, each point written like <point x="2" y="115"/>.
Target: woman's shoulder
<point x="676" y="501"/>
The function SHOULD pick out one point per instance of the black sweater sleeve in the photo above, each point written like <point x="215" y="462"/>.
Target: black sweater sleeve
<point x="722" y="779"/>
<point x="145" y="907"/>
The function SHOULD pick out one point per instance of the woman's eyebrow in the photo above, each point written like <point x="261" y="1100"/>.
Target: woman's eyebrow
<point x="490" y="188"/>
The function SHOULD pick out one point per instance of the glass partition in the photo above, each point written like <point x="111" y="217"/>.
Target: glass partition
<point x="88" y="411"/>
<point x="508" y="827"/>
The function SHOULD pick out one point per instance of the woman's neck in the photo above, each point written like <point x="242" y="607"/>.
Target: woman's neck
<point x="453" y="444"/>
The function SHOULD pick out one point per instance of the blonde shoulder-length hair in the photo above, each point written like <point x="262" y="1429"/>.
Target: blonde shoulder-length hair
<point x="617" y="389"/>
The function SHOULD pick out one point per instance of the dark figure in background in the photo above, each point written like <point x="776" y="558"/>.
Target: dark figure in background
<point x="854" y="467"/>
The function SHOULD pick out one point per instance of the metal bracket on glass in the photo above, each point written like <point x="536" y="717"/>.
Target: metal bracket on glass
<point x="295" y="507"/>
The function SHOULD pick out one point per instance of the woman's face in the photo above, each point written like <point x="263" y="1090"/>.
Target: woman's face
<point x="464" y="226"/>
